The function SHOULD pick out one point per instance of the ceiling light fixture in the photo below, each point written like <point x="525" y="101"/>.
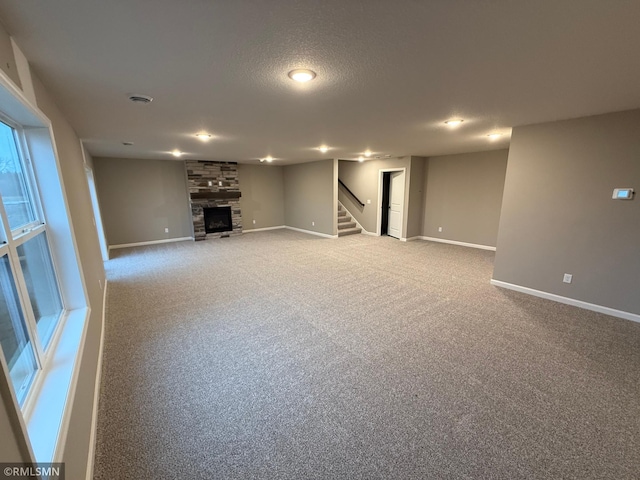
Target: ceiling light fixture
<point x="361" y="158"/>
<point x="203" y="136"/>
<point x="323" y="148"/>
<point x="367" y="153"/>
<point x="302" y="75"/>
<point x="176" y="153"/>
<point x="454" y="122"/>
<point x="494" y="136"/>
<point x="267" y="159"/>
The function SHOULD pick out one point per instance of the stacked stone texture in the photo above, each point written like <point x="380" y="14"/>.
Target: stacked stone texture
<point x="224" y="178"/>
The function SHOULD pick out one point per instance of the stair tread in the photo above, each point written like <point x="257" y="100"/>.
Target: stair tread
<point x="344" y="226"/>
<point x="349" y="231"/>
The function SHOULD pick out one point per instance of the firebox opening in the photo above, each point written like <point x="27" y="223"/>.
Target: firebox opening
<point x="217" y="219"/>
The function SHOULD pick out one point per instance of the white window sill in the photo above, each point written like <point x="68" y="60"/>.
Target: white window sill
<point x="47" y="413"/>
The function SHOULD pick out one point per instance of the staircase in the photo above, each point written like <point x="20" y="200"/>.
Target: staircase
<point x="346" y="226"/>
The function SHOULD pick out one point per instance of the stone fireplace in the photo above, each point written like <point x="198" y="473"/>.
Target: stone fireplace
<point x="215" y="198"/>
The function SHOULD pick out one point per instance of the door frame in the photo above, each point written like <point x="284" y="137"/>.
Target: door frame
<point x="381" y="173"/>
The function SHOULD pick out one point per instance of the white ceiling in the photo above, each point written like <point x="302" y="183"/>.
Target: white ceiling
<point x="389" y="72"/>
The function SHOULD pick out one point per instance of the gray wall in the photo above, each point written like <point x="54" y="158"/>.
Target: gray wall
<point x="464" y="196"/>
<point x="80" y="208"/>
<point x="262" y="200"/>
<point x="417" y="190"/>
<point x="309" y="196"/>
<point x="558" y="216"/>
<point x="362" y="179"/>
<point x="7" y="57"/>
<point x="140" y="198"/>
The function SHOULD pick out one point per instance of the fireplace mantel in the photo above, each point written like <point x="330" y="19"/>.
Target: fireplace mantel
<point x="219" y="195"/>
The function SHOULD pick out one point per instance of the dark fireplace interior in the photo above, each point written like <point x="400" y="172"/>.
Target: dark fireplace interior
<point x="217" y="219"/>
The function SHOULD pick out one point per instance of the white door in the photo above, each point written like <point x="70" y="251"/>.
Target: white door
<point x="396" y="204"/>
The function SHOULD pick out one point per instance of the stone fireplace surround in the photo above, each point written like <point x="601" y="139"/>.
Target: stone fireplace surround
<point x="213" y="184"/>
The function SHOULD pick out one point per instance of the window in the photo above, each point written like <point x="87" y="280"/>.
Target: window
<point x="30" y="302"/>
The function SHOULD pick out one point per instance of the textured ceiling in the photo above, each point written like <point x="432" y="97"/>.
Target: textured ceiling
<point x="389" y="72"/>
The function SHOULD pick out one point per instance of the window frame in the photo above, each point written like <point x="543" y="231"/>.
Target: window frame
<point x="18" y="237"/>
<point x="43" y="419"/>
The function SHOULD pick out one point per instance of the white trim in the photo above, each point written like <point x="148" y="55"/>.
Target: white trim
<point x="264" y="229"/>
<point x="355" y="220"/>
<point x="310" y="232"/>
<point x="48" y="421"/>
<point x="381" y="172"/>
<point x="96" y="392"/>
<point x="454" y="242"/>
<point x="411" y="239"/>
<point x="569" y="301"/>
<point x="152" y="242"/>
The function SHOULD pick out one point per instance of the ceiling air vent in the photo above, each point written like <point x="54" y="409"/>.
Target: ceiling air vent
<point x="140" y="98"/>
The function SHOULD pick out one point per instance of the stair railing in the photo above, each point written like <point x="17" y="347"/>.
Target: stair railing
<point x="350" y="192"/>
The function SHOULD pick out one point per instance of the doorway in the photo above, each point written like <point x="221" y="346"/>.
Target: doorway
<point x="391" y="195"/>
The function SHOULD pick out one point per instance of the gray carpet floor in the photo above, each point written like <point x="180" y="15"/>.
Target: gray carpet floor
<point x="278" y="355"/>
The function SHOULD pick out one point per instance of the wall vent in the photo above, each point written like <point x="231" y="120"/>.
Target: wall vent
<point x="137" y="98"/>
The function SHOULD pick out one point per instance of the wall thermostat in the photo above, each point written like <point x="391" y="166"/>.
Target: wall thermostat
<point x="623" y="194"/>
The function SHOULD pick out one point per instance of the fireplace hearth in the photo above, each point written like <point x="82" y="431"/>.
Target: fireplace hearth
<point x="217" y="219"/>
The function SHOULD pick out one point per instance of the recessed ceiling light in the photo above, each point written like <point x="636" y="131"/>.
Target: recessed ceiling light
<point x="268" y="159"/>
<point x="323" y="148"/>
<point x="367" y="153"/>
<point x="139" y="98"/>
<point x="176" y="153"/>
<point x="454" y="122"/>
<point x="494" y="136"/>
<point x="361" y="158"/>
<point x="302" y="75"/>
<point x="203" y="136"/>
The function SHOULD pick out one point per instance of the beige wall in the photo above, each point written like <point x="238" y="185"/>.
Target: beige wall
<point x="262" y="200"/>
<point x="558" y="215"/>
<point x="140" y="198"/>
<point x="309" y="196"/>
<point x="464" y="196"/>
<point x="79" y="201"/>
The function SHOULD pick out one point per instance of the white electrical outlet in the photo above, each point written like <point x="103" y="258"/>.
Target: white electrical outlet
<point x="369" y="201"/>
<point x="166" y="230"/>
<point x="567" y="278"/>
<point x="220" y="183"/>
<point x="254" y="222"/>
<point x="439" y="229"/>
<point x="210" y="183"/>
<point x="313" y="224"/>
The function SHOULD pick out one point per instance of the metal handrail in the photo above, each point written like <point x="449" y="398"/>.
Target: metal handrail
<point x="350" y="192"/>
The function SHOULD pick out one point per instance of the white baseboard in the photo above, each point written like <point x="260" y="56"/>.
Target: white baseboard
<point x="264" y="229"/>
<point x="569" y="301"/>
<point x="454" y="242"/>
<point x="152" y="242"/>
<point x="356" y="221"/>
<point x="310" y="232"/>
<point x="96" y="393"/>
